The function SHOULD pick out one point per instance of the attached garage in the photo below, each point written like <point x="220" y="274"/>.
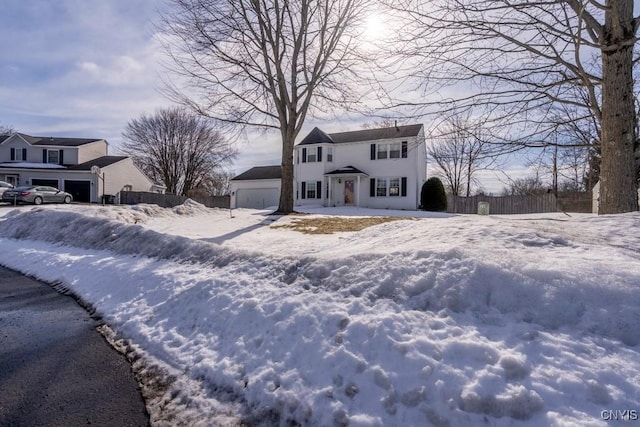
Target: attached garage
<point x="257" y="188"/>
<point x="48" y="182"/>
<point x="80" y="190"/>
<point x="257" y="198"/>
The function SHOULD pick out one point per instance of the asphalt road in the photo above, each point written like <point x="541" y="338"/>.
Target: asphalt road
<point x="55" y="367"/>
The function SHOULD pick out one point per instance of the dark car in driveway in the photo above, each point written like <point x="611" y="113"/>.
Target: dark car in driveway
<point x="36" y="194"/>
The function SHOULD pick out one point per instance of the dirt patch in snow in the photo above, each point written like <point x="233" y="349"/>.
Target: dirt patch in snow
<point x="330" y="225"/>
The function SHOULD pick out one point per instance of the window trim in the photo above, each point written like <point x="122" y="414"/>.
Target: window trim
<point x="311" y="190"/>
<point x="396" y="187"/>
<point x="383" y="187"/>
<point x="383" y="151"/>
<point x="396" y="148"/>
<point x="382" y="154"/>
<point x="57" y="156"/>
<point x="376" y="187"/>
<point x="312" y="152"/>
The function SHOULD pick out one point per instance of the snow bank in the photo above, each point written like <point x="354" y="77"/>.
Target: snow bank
<point x="434" y="320"/>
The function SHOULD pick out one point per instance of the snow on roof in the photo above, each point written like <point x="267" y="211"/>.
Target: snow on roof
<point x="28" y="165"/>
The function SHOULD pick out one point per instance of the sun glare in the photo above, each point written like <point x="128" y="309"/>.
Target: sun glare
<point x="375" y="28"/>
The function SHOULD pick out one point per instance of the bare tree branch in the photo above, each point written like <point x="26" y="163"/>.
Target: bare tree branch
<point x="266" y="63"/>
<point x="177" y="148"/>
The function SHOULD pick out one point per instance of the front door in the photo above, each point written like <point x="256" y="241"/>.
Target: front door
<point x="348" y="191"/>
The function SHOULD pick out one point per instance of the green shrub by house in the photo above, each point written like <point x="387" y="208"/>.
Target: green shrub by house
<point x="433" y="196"/>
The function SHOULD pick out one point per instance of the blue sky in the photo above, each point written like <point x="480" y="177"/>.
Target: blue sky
<point x="77" y="67"/>
<point x="84" y="68"/>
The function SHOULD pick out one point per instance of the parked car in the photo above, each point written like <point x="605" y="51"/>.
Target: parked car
<point x="36" y="194"/>
<point x="4" y="186"/>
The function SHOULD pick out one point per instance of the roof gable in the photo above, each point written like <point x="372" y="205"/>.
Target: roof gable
<point x="260" y="172"/>
<point x="316" y="136"/>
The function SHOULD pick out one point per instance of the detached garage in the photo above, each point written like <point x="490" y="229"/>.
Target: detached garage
<point x="257" y="188"/>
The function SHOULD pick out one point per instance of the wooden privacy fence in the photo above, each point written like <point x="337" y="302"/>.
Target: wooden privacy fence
<point x="503" y="205"/>
<point x="171" y="200"/>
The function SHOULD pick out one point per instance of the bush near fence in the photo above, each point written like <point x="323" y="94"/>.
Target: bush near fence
<point x="171" y="200"/>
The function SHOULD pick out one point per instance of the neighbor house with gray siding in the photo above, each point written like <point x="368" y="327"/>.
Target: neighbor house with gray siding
<point x="80" y="166"/>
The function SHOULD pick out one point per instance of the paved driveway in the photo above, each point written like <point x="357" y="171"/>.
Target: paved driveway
<point x="55" y="368"/>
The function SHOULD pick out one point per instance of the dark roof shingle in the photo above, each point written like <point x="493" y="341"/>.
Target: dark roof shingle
<point x="53" y="141"/>
<point x="260" y="172"/>
<point x="316" y="136"/>
<point x="101" y="162"/>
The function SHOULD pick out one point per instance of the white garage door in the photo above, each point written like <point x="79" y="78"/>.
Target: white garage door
<point x="257" y="198"/>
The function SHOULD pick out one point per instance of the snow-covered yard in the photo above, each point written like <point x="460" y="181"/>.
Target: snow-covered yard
<point x="437" y="320"/>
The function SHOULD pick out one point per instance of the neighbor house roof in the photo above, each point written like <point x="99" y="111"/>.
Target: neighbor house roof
<point x="101" y="162"/>
<point x="53" y="141"/>
<point x="316" y="136"/>
<point x="260" y="172"/>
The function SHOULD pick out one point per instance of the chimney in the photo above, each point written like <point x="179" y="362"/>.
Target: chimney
<point x="396" y="123"/>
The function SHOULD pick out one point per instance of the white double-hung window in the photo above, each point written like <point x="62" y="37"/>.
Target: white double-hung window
<point x="388" y="187"/>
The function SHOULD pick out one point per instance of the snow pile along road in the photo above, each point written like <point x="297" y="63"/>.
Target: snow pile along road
<point x="443" y="320"/>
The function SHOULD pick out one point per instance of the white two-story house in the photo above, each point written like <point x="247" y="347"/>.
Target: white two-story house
<point x="374" y="168"/>
<point x="78" y="166"/>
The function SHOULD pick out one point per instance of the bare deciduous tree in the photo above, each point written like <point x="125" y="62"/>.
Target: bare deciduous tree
<point x="529" y="186"/>
<point x="460" y="150"/>
<point x="6" y="129"/>
<point x="529" y="57"/>
<point x="266" y="63"/>
<point x="177" y="148"/>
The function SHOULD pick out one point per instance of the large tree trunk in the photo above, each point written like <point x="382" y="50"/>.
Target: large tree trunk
<point x="618" y="180"/>
<point x="286" y="192"/>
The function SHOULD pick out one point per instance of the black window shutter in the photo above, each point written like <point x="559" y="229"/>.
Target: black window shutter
<point x="13" y="153"/>
<point x="304" y="156"/>
<point x="404" y="149"/>
<point x="24" y="154"/>
<point x="319" y="154"/>
<point x="319" y="189"/>
<point x="373" y="151"/>
<point x="304" y="189"/>
<point x="372" y="187"/>
<point x="403" y="186"/>
<point x="44" y="155"/>
<point x="61" y="157"/>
